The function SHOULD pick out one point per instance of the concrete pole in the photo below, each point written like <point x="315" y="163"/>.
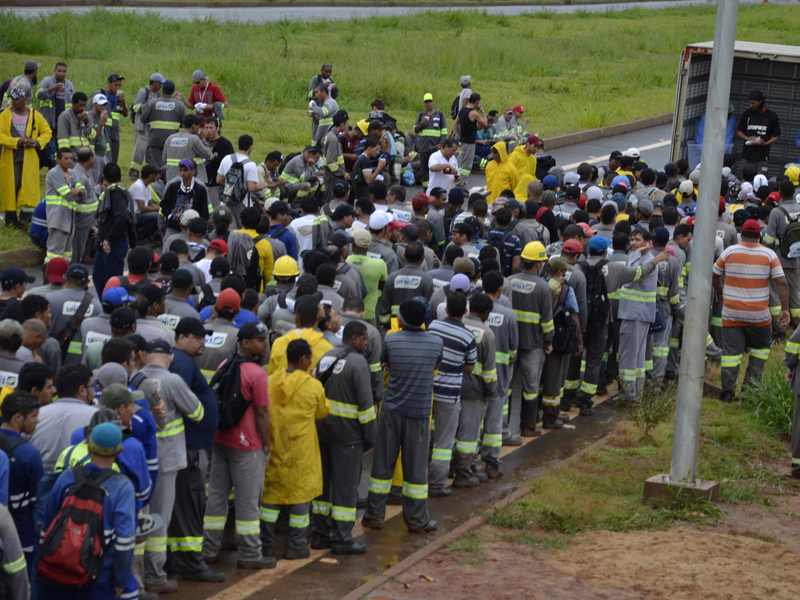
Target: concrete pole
<point x="690" y="384"/>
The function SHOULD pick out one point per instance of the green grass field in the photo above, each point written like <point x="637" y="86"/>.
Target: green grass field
<point x="571" y="72"/>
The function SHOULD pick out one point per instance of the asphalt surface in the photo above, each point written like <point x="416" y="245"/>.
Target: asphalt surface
<point x="264" y="15"/>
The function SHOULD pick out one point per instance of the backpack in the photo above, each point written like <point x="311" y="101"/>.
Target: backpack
<point x="207" y="297"/>
<point x="240" y="247"/>
<point x="8" y="446"/>
<point x="792" y="235"/>
<point x="234" y="186"/>
<point x="544" y="162"/>
<point x="285" y="162"/>
<point x="123" y="282"/>
<point x="71" y="554"/>
<point x="499" y="243"/>
<point x="455" y="107"/>
<point x="565" y="338"/>
<point x="327" y="373"/>
<point x="252" y="275"/>
<point x="598" y="305"/>
<point x="227" y="387"/>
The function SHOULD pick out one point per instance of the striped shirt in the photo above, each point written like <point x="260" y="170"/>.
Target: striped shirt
<point x="412" y="355"/>
<point x="459" y="350"/>
<point x="748" y="269"/>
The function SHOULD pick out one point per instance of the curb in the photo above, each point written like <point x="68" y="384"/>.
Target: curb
<point x="21" y="257"/>
<point x="474" y="523"/>
<point x="589" y="135"/>
<point x="476" y="4"/>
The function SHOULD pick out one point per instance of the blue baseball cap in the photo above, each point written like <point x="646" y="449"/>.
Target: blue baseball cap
<point x="550" y="182"/>
<point x="623" y="179"/>
<point x="599" y="244"/>
<point x="13" y="276"/>
<point x="117" y="296"/>
<point x="661" y="235"/>
<point x="106" y="439"/>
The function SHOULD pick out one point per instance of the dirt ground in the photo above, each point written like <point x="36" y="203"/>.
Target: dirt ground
<point x="754" y="553"/>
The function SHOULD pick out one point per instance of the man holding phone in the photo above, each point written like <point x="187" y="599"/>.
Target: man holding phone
<point x="443" y="166"/>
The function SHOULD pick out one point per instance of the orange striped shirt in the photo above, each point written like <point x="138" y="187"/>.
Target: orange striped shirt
<point x="748" y="269"/>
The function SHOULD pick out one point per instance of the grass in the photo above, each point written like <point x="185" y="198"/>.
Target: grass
<point x="468" y="548"/>
<point x="772" y="401"/>
<point x="11" y="238"/>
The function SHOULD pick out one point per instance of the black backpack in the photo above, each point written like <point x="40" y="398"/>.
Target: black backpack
<point x="252" y="275"/>
<point x="455" y="107"/>
<point x="8" y="446"/>
<point x="285" y="162"/>
<point x="142" y="283"/>
<point x="208" y="297"/>
<point x="598" y="305"/>
<point x="544" y="162"/>
<point x="227" y="387"/>
<point x="234" y="185"/>
<point x="565" y="338"/>
<point x="499" y="243"/>
<point x="326" y="374"/>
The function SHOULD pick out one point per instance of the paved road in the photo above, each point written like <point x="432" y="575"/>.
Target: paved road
<point x="263" y="15"/>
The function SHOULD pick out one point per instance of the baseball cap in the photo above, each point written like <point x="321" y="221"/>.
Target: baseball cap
<point x="169" y="262"/>
<point x="159" y="346"/>
<point x="100" y="99"/>
<point x="218" y="245"/>
<point x="168" y="86"/>
<point x="686" y="188"/>
<point x="228" y="301"/>
<point x="378" y="220"/>
<point x="513" y="204"/>
<point x="455" y="195"/>
<point x="427" y="97"/>
<point x="106" y="439"/>
<point x="519" y="108"/>
<point x="198" y="75"/>
<point x="311" y="148"/>
<point x="556" y="171"/>
<point x="115" y="77"/>
<point x="463" y="265"/>
<point x="508" y="110"/>
<point x="586" y="229"/>
<point x="222" y="213"/>
<point x="412" y="312"/>
<point x="482" y="191"/>
<point x="411" y="231"/>
<point x="56" y="269"/>
<point x="188" y="215"/>
<point x="645" y="206"/>
<point x="572" y="247"/>
<point x="340" y="188"/>
<point x="182" y="279"/>
<point x="14" y="275"/>
<point x="220" y="266"/>
<point x="117" y="296"/>
<point x="459" y="283"/>
<point x="593" y="192"/>
<point x="623" y="179"/>
<point x="751" y="226"/>
<point x="157" y="77"/>
<point x="571" y="178"/>
<point x="79" y="272"/>
<point x="556" y="264"/>
<point x="634" y="152"/>
<point x="31" y="64"/>
<point x="571" y="231"/>
<point x="573" y="192"/>
<point x="10" y="329"/>
<point x="187" y="163"/>
<point x="111" y="373"/>
<point x="311" y="299"/>
<point x="117" y="395"/>
<point x="193" y="326"/>
<point x="774" y="198"/>
<point x="757" y="95"/>
<point x="342" y="211"/>
<point x="420" y="200"/>
<point x="362" y="238"/>
<point x="465" y="80"/>
<point x="722" y="204"/>
<point x="661" y="236"/>
<point x="550" y="182"/>
<point x="340" y="239"/>
<point x="123" y="317"/>
<point x="396" y="225"/>
<point x="253" y="330"/>
<point x="534" y="139"/>
<point x="599" y="244"/>
<point x="198" y="225"/>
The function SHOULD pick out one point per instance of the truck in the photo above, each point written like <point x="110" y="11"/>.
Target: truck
<point x="774" y="69"/>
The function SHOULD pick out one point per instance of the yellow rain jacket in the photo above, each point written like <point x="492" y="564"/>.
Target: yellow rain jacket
<point x="524" y="164"/>
<point x="294" y="471"/>
<point x="319" y="346"/>
<point x="500" y="176"/>
<point x="521" y="191"/>
<point x="29" y="193"/>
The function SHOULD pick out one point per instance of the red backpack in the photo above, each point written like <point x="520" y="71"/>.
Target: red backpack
<point x="71" y="554"/>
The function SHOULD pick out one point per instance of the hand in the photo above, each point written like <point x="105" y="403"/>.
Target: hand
<point x="280" y="182"/>
<point x="784" y="318"/>
<point x="159" y="410"/>
<point x="265" y="449"/>
<point x="527" y="120"/>
<point x="424" y="121"/>
<point x="578" y="350"/>
<point x="84" y="117"/>
<point x="435" y="261"/>
<point x="106" y="246"/>
<point x="368" y="450"/>
<point x="104" y="119"/>
<point x="58" y="87"/>
<point x="202" y="134"/>
<point x="661" y="256"/>
<point x="382" y="162"/>
<point x="179" y="96"/>
<point x="121" y="96"/>
<point x="548" y="349"/>
<point x="117" y="592"/>
<point x="347" y="176"/>
<point x="788" y="375"/>
<point x="37" y="358"/>
<point x="74" y="193"/>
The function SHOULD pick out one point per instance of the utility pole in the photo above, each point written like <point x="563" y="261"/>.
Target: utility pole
<point x="685" y="445"/>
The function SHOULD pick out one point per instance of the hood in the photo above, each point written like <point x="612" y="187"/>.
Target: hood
<point x="521" y="150"/>
<point x="290" y="385"/>
<point x="502" y="150"/>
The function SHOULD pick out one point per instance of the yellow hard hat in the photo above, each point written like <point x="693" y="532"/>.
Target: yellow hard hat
<point x="534" y="251"/>
<point x="286" y="266"/>
<point x="793" y="173"/>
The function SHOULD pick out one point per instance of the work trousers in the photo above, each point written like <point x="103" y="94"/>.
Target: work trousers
<point x="83" y="225"/>
<point x="660" y="350"/>
<point x="109" y="265"/>
<point x="713" y="351"/>
<point x="735" y="341"/>
<point x="146" y="224"/>
<point x="612" y="352"/>
<point x="297" y="537"/>
<point x="796" y="437"/>
<point x="716" y="318"/>
<point x="470" y="419"/>
<point x="761" y="165"/>
<point x="113" y="151"/>
<point x="424" y="174"/>
<point x="213" y="199"/>
<point x="531" y="363"/>
<point x="155" y="548"/>
<point x="632" y="351"/>
<point x="59" y="244"/>
<point x="793" y="281"/>
<point x="242" y="470"/>
<point x="295" y="191"/>
<point x="396" y="432"/>
<point x="185" y="533"/>
<point x="594" y="341"/>
<point x="139" y="148"/>
<point x="153" y="156"/>
<point x="445" y="425"/>
<point x="493" y="428"/>
<point x="335" y="510"/>
<point x="553" y="379"/>
<point x="465" y="159"/>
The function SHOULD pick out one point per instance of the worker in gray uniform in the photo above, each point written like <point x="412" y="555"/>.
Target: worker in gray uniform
<point x="164" y="116"/>
<point x="85" y="206"/>
<point x="61" y="191"/>
<point x="116" y="108"/>
<point x="303" y="169"/>
<point x="74" y="127"/>
<point x="406" y="283"/>
<point x="189" y="143"/>
<point x="668" y="299"/>
<point x="65" y="303"/>
<point x="221" y="343"/>
<point x="787" y="212"/>
<point x="381" y="248"/>
<point x="141" y="130"/>
<point x="345" y="435"/>
<point x="353" y="310"/>
<point x="321" y="112"/>
<point x="571" y="251"/>
<point x="681" y="236"/>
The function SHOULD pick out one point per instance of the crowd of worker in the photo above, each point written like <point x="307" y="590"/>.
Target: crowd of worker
<point x="251" y="330"/>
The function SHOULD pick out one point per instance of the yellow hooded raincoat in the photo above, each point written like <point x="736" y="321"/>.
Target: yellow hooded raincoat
<point x="294" y="472"/>
<point x="319" y="346"/>
<point x="29" y="193"/>
<point x="500" y="176"/>
<point x="524" y="163"/>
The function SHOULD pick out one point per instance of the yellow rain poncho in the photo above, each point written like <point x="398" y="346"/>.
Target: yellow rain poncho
<point x="500" y="176"/>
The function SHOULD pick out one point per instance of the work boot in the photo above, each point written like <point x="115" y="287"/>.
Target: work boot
<point x="170" y="586"/>
<point x="268" y="551"/>
<point x="206" y="576"/>
<point x="601" y="391"/>
<point x="514" y="440"/>
<point x="564" y="417"/>
<point x="266" y="562"/>
<point x="464" y="477"/>
<point x="361" y="502"/>
<point x="480" y="476"/>
<point x="551" y="420"/>
<point x="442" y="493"/>
<point x="726" y="396"/>
<point x="353" y="548"/>
<point x="133" y="174"/>
<point x="527" y="432"/>
<point x="587" y="408"/>
<point x="321" y="542"/>
<point x="429" y="527"/>
<point x="145" y="595"/>
<point x="493" y="471"/>
<point x="368" y="523"/>
<point x="296" y="553"/>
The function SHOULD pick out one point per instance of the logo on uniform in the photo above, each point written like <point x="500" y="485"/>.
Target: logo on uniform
<point x="169" y="320"/>
<point x="165" y="105"/>
<point x="402" y="216"/>
<point x="336" y="285"/>
<point x="179" y="142"/>
<point x="407" y="282"/>
<point x="495" y="319"/>
<point x="216" y="340"/>
<point x="374" y="255"/>
<point x="93" y="337"/>
<point x="70" y="308"/>
<point x="8" y="379"/>
<point x="523" y="287"/>
<point x="477" y="332"/>
<point x="339" y="366"/>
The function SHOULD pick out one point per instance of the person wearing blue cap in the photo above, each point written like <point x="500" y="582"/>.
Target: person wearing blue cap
<point x="119" y="516"/>
<point x="165" y="116"/>
<point x="603" y="279"/>
<point x="98" y="328"/>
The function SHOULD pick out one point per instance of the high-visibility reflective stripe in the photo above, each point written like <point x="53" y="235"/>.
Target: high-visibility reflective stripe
<point x="343" y="513"/>
<point x="320" y="508"/>
<point x="433" y="132"/>
<point x="365" y="416"/>
<point x="493" y="440"/>
<point x="648" y="365"/>
<point x="375" y="367"/>
<point x="466" y="447"/>
<point x="547" y="326"/>
<point x="529" y="397"/>
<point x="762" y="353"/>
<point x="795" y="312"/>
<point x="15" y="566"/>
<point x="185" y="544"/>
<point x="731" y="361"/>
<point x="774" y="310"/>
<point x="208" y="374"/>
<point x="298" y="521"/>
<point x="198" y="413"/>
<point x="247" y="527"/>
<point x="165" y="125"/>
<point x="171" y="429"/>
<point x="632" y="295"/>
<point x="415" y="491"/>
<point x="380" y="486"/>
<point x="628" y="374"/>
<point x="662" y="291"/>
<point x="342" y="409"/>
<point x="674" y="343"/>
<point x="716" y="321"/>
<point x="793" y="348"/>
<point x="769" y="240"/>
<point x="86" y="208"/>
<point x="795" y="461"/>
<point x="589" y="388"/>
<point x="173" y="162"/>
<point x="269" y="515"/>
<point x="139" y="550"/>
<point x="524" y="316"/>
<point x="502" y="358"/>
<point x="709" y="340"/>
<point x="464" y="172"/>
<point x="156" y="544"/>
<point x="551" y="400"/>
<point x="214" y="522"/>
<point x="572" y="384"/>
<point x="442" y="454"/>
<point x="74" y="348"/>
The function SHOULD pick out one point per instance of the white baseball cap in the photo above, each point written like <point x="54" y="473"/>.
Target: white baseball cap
<point x="634" y="152"/>
<point x="379" y="219"/>
<point x="571" y="178"/>
<point x="100" y="99"/>
<point x="188" y="215"/>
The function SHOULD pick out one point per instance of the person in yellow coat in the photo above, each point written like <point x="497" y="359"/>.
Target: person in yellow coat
<point x="307" y="313"/>
<point x="23" y="131"/>
<point x="500" y="173"/>
<point x="293" y="477"/>
<point x="523" y="158"/>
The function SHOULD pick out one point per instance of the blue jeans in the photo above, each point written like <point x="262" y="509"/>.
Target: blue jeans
<point x="109" y="265"/>
<point x="146" y="224"/>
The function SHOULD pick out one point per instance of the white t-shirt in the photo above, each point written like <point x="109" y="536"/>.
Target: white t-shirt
<point x="204" y="264"/>
<point x="139" y="191"/>
<point x="438" y="178"/>
<point x="302" y="232"/>
<point x="250" y="171"/>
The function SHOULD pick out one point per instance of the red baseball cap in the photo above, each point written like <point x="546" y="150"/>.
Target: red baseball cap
<point x="228" y="301"/>
<point x="56" y="269"/>
<point x="690" y="221"/>
<point x="518" y="108"/>
<point x="774" y="198"/>
<point x="572" y="247"/>
<point x="509" y="109"/>
<point x="420" y="200"/>
<point x="586" y="229"/>
<point x="751" y="226"/>
<point x="582" y="202"/>
<point x="219" y="245"/>
<point x="395" y="224"/>
<point x="534" y="139"/>
<point x="722" y="204"/>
